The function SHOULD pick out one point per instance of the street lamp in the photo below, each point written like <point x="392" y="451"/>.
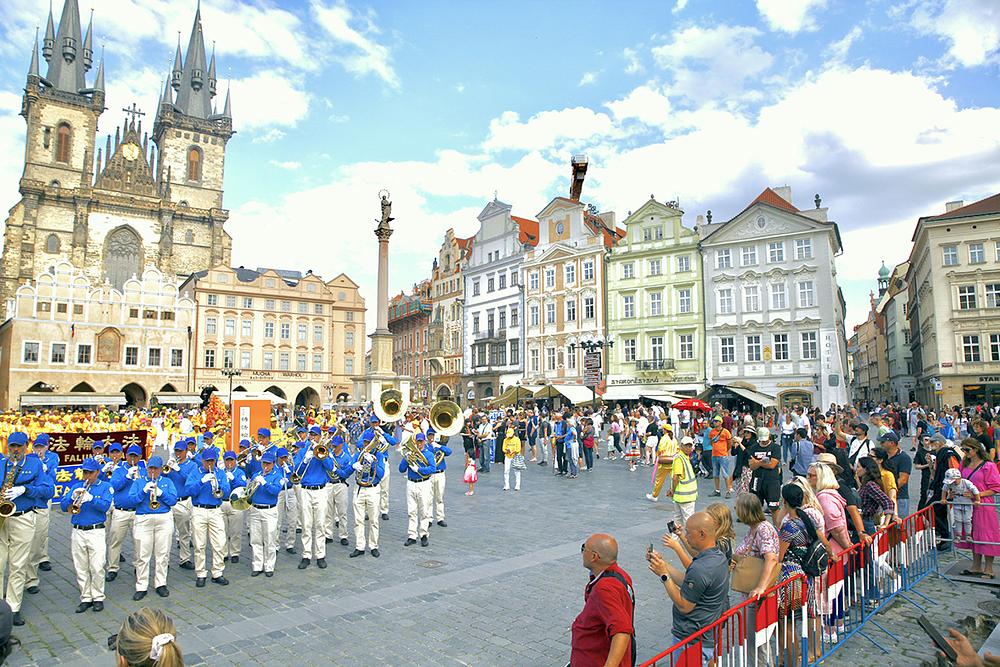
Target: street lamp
<point x="593" y="344"/>
<point x="231" y="373"/>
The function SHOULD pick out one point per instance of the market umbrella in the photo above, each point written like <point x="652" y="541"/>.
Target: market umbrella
<point x="693" y="404"/>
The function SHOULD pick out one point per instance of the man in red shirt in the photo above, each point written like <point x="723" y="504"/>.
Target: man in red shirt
<point x="603" y="633"/>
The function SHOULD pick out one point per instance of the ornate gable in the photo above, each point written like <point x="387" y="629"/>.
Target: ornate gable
<point x="761" y="222"/>
<point x="128" y="168"/>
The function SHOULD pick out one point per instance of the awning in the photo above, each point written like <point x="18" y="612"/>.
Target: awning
<point x="760" y="399"/>
<point x="574" y="393"/>
<point x="251" y="396"/>
<point x="617" y="392"/>
<point x="176" y="398"/>
<point x="661" y="396"/>
<point x="515" y="394"/>
<point x="49" y="399"/>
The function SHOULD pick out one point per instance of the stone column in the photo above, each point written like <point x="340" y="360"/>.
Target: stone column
<point x="382" y="233"/>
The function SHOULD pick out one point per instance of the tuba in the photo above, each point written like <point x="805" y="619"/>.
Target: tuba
<point x="391" y="405"/>
<point x="7" y="507"/>
<point x="242" y="498"/>
<point x="446" y="418"/>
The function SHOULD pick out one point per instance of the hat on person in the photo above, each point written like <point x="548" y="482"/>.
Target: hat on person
<point x="717" y="419"/>
<point x="155" y="462"/>
<point x="952" y="475"/>
<point x="207" y="435"/>
<point x="264" y="432"/>
<point x="282" y="452"/>
<point x="133" y="450"/>
<point x="245" y="444"/>
<point x="337" y="440"/>
<point x="937" y="437"/>
<point x="115" y="447"/>
<point x="98" y="444"/>
<point x="763" y="434"/>
<point x="210" y="454"/>
<point x="863" y="427"/>
<point x="42" y="440"/>
<point x="180" y="445"/>
<point x="315" y="430"/>
<point x="888" y="436"/>
<point x="431" y="432"/>
<point x="17" y="438"/>
<point x="510" y="433"/>
<point x="229" y="455"/>
<point x="687" y="440"/>
<point x="268" y="457"/>
<point x="301" y="429"/>
<point x="90" y="465"/>
<point x="828" y="459"/>
<point x="373" y="419"/>
<point x="420" y="437"/>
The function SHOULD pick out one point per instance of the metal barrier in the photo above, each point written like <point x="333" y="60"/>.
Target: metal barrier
<point x="804" y="620"/>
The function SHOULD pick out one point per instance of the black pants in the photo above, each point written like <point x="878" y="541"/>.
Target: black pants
<point x="941" y="521"/>
<point x="561" y="457"/>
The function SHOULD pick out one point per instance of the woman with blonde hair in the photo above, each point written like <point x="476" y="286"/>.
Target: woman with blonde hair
<point x="148" y="638"/>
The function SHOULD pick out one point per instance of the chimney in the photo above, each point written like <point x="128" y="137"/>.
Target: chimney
<point x="785" y="192"/>
<point x="952" y="205"/>
<point x="579" y="165"/>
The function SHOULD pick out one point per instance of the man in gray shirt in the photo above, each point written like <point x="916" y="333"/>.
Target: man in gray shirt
<point x="702" y="594"/>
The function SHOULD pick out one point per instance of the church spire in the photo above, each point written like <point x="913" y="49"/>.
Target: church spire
<point x="99" y="82"/>
<point x="193" y="95"/>
<point x="175" y="73"/>
<point x="211" y="73"/>
<point x="88" y="44"/>
<point x="33" y="68"/>
<point x="50" y="37"/>
<point x="66" y="66"/>
<point x="227" y="111"/>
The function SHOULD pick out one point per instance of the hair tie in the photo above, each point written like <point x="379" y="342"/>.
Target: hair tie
<point x="156" y="648"/>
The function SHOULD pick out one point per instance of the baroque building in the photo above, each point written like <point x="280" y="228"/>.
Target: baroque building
<point x="655" y="306"/>
<point x="774" y="314"/>
<point x="446" y="352"/>
<point x="409" y="323"/>
<point x="138" y="201"/>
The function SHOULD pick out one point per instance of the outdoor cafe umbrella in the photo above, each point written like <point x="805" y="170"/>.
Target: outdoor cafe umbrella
<point x="693" y="404"/>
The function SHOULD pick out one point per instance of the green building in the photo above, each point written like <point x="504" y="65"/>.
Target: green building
<point x="655" y="307"/>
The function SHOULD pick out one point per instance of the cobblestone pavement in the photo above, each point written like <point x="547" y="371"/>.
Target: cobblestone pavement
<point x="500" y="585"/>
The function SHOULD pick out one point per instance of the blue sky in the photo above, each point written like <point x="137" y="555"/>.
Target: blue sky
<point x="887" y="108"/>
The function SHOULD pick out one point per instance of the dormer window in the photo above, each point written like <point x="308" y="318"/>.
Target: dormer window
<point x="69" y="49"/>
<point x="197" y="79"/>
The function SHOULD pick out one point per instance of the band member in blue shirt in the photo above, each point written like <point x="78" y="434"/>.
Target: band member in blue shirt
<point x="88" y="501"/>
<point x="154" y="496"/>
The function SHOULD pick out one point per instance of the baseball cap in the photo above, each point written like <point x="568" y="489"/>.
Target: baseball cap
<point x="888" y="436"/>
<point x="264" y="432"/>
<point x="155" y="462"/>
<point x="229" y="455"/>
<point x="133" y="450"/>
<point x="42" y="440"/>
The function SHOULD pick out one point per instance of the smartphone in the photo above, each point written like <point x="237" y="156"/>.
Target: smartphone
<point x="113" y="642"/>
<point x="672" y="527"/>
<point x="938" y="640"/>
<point x="649" y="551"/>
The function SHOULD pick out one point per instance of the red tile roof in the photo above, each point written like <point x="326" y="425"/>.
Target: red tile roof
<point x="528" y="230"/>
<point x="769" y="196"/>
<point x="981" y="207"/>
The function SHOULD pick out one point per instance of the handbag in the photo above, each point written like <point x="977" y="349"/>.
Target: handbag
<point x="746" y="574"/>
<point x="517" y="462"/>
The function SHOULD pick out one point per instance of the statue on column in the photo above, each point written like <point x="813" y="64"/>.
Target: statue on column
<point x="383" y="224"/>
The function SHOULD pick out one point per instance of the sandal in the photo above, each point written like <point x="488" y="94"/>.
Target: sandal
<point x="987" y="575"/>
<point x="971" y="573"/>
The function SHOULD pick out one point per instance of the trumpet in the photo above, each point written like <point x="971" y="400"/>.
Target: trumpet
<point x="216" y="490"/>
<point x="77" y="503"/>
<point x="154" y="504"/>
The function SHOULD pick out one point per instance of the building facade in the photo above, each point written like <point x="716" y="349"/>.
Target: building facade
<point x="774" y="314"/>
<point x="953" y="287"/>
<point x="493" y="329"/>
<point x="296" y="336"/>
<point x="66" y="335"/>
<point x="655" y="304"/>
<point x="114" y="210"/>
<point x="899" y="358"/>
<point x="446" y="318"/>
<point x="409" y="322"/>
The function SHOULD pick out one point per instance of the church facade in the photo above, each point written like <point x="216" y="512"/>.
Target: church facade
<point x="141" y="199"/>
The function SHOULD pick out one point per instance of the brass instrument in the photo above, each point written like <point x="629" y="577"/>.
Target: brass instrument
<point x="154" y="504"/>
<point x="171" y="466"/>
<point x="446" y="418"/>
<point x="216" y="489"/>
<point x="77" y="503"/>
<point x="391" y="405"/>
<point x="242" y="498"/>
<point x="369" y="448"/>
<point x="7" y="507"/>
<point x="413" y="454"/>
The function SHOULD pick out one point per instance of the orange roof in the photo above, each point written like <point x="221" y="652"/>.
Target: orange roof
<point x="769" y="196"/>
<point x="610" y="236"/>
<point x="463" y="243"/>
<point x="981" y="207"/>
<point x="528" y="230"/>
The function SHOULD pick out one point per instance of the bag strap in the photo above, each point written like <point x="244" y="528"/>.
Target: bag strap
<point x="631" y="595"/>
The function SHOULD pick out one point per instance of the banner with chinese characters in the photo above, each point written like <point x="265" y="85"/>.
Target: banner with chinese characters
<point x="73" y="448"/>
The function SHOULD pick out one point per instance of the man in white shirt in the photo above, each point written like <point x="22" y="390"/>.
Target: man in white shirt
<point x="860" y="446"/>
<point x="486" y="444"/>
<point x="803" y="420"/>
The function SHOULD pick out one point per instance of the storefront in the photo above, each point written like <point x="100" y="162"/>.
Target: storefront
<point x="737" y="398"/>
<point x="986" y="390"/>
<point x="669" y="388"/>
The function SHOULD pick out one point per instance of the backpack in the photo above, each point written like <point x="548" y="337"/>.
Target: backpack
<point x="813" y="557"/>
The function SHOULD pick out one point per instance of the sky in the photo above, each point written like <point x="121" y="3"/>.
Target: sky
<point x="885" y="108"/>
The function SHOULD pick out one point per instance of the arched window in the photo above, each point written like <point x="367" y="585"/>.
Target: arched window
<point x="63" y="137"/>
<point x="52" y="243"/>
<point x="194" y="164"/>
<point x="55" y="184"/>
<point x="122" y="256"/>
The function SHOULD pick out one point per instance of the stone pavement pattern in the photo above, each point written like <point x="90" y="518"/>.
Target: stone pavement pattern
<point x="500" y="585"/>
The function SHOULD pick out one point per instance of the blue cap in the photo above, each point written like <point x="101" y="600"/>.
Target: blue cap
<point x="207" y="435"/>
<point x="42" y="440"/>
<point x="337" y="440"/>
<point x="373" y="419"/>
<point x="210" y="454"/>
<point x="315" y="430"/>
<point x="245" y="444"/>
<point x="281" y="452"/>
<point x="133" y="450"/>
<point x="17" y="438"/>
<point x="301" y="429"/>
<point x="155" y="462"/>
<point x="420" y="437"/>
<point x="229" y="455"/>
<point x="115" y="447"/>
<point x="264" y="432"/>
<point x="431" y="432"/>
<point x="180" y="445"/>
<point x="98" y="444"/>
<point x="90" y="465"/>
<point x="268" y="457"/>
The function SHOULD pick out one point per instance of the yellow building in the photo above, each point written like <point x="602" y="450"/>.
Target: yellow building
<point x="71" y="343"/>
<point x="296" y="336"/>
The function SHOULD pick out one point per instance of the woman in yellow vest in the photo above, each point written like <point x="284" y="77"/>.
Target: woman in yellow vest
<point x="685" y="484"/>
<point x="666" y="451"/>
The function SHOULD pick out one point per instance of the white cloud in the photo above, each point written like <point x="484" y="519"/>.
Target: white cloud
<point x="588" y="78"/>
<point x="269" y="98"/>
<point x="972" y="27"/>
<point x="679" y="6"/>
<point x="361" y="53"/>
<point x="290" y="165"/>
<point x="705" y="61"/>
<point x="645" y="104"/>
<point x="269" y="136"/>
<point x="632" y="63"/>
<point x="566" y="127"/>
<point x="839" y="49"/>
<point x="459" y="87"/>
<point x="790" y="15"/>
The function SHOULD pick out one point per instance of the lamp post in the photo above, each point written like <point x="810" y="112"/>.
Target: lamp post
<point x="231" y="373"/>
<point x="590" y="345"/>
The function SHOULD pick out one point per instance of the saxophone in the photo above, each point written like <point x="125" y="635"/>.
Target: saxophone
<point x="7" y="507"/>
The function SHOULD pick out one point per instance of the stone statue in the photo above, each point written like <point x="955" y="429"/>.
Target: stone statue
<point x="386" y="210"/>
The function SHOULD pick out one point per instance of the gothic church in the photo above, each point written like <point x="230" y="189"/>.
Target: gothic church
<point x="134" y="203"/>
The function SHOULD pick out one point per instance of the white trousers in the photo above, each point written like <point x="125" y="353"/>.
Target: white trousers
<point x="312" y="511"/>
<point x="39" y="545"/>
<point x="418" y="508"/>
<point x="153" y="533"/>
<point x="506" y="475"/>
<point x="121" y="525"/>
<point x="437" y="493"/>
<point x="235" y="521"/>
<point x="207" y="525"/>
<point x="263" y="538"/>
<point x="16" y="534"/>
<point x="288" y="515"/>
<point x="336" y="510"/>
<point x="366" y="500"/>
<point x="182" y="522"/>
<point x="88" y="548"/>
<point x="383" y="492"/>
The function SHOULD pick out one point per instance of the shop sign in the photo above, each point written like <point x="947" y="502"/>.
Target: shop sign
<point x="989" y="378"/>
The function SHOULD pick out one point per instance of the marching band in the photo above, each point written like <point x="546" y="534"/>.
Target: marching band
<point x="211" y="499"/>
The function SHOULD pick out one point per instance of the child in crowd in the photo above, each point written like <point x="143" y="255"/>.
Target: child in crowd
<point x="471" y="476"/>
<point x="960" y="494"/>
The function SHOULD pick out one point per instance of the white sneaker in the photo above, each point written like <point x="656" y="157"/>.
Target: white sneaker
<point x="650" y="496"/>
<point x="506" y="488"/>
<point x="517" y="488"/>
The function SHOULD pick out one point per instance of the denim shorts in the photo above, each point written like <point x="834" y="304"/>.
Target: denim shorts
<point x="721" y="466"/>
